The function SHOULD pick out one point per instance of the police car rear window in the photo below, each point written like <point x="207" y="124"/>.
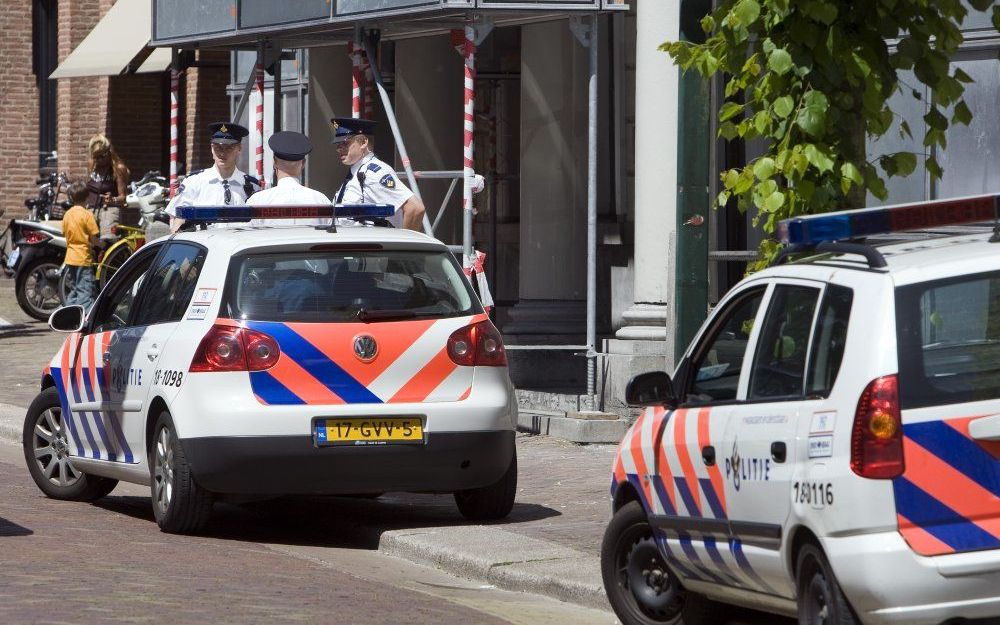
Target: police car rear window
<point x="348" y="286"/>
<point x="948" y="335"/>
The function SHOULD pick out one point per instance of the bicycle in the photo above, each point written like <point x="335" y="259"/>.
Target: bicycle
<point x="110" y="260"/>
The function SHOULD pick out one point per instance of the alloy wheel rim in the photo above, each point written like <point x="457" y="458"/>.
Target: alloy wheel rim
<point x="818" y="604"/>
<point x="51" y="449"/>
<point x="163" y="470"/>
<point x="39" y="291"/>
<point x="644" y="575"/>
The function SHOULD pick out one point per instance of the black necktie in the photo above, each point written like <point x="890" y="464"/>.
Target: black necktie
<point x="229" y="195"/>
<point x="343" y="187"/>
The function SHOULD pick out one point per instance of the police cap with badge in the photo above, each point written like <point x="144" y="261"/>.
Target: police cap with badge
<point x="227" y="133"/>
<point x="346" y="127"/>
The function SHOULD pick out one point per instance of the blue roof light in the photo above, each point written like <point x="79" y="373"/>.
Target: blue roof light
<point x="854" y="224"/>
<point x="219" y="214"/>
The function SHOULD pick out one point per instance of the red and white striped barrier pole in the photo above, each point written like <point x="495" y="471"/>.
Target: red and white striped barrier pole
<point x="369" y="100"/>
<point x="469" y="53"/>
<point x="355" y="53"/>
<point x="174" y="105"/>
<point x="259" y="153"/>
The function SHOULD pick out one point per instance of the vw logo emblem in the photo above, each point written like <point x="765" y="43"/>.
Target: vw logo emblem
<point x="365" y="348"/>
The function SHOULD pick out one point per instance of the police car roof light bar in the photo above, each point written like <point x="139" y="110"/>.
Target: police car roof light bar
<point x="233" y="214"/>
<point x="855" y="224"/>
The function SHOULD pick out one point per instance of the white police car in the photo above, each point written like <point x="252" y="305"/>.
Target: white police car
<point x="829" y="445"/>
<point x="278" y="360"/>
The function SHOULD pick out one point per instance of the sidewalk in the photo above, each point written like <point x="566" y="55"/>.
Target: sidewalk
<point x="549" y="545"/>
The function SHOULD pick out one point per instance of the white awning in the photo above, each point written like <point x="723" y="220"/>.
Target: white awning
<point x="114" y="43"/>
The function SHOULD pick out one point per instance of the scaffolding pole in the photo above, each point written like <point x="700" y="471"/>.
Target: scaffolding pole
<point x="259" y="116"/>
<point x="468" y="171"/>
<point x="394" y="125"/>
<point x="592" y="212"/>
<point x="354" y="51"/>
<point x="586" y="34"/>
<point x="175" y="78"/>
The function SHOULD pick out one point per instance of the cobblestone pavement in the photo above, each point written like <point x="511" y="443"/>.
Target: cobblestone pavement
<point x="67" y="562"/>
<point x="25" y="346"/>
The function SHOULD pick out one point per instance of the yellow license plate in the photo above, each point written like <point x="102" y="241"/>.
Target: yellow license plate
<point x="369" y="431"/>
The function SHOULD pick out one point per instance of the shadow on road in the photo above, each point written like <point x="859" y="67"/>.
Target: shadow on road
<point x="21" y="330"/>
<point x="9" y="528"/>
<point x="327" y="521"/>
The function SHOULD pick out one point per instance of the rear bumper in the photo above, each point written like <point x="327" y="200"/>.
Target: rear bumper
<point x="292" y="465"/>
<point x="887" y="583"/>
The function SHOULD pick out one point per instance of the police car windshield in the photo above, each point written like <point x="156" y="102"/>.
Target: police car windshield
<point x="349" y="286"/>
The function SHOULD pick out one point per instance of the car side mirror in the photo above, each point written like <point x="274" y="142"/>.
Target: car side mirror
<point x="651" y="389"/>
<point x="67" y="319"/>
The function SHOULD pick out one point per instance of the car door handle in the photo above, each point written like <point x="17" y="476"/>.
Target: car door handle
<point x="708" y="455"/>
<point x="106" y="358"/>
<point x="778" y="451"/>
<point x="985" y="428"/>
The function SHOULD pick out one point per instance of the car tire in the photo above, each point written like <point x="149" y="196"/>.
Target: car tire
<point x="493" y="502"/>
<point x="820" y="599"/>
<point x="180" y="504"/>
<point x="45" y="441"/>
<point x="46" y="268"/>
<point x="640" y="586"/>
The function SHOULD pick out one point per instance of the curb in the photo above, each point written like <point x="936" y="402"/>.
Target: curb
<point x="11" y="423"/>
<point x="479" y="552"/>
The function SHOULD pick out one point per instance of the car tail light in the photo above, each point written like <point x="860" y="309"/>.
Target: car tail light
<point x="877" y="436"/>
<point x="34" y="237"/>
<point x="477" y="345"/>
<point x="233" y="348"/>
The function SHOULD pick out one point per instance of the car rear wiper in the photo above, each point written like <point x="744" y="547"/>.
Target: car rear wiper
<point x="384" y="315"/>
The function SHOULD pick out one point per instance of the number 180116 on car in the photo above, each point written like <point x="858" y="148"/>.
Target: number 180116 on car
<point x="279" y="360"/>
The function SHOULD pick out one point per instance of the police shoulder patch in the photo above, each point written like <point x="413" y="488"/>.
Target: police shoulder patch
<point x="374" y="167"/>
<point x="388" y="181"/>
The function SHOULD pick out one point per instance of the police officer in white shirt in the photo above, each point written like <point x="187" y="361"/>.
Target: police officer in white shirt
<point x="223" y="183"/>
<point x="370" y="180"/>
<point x="289" y="149"/>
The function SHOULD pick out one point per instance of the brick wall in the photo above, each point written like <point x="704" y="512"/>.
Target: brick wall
<point x="18" y="110"/>
<point x="133" y="111"/>
<point x="205" y="102"/>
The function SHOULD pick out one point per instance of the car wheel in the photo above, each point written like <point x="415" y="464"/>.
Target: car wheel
<point x="492" y="502"/>
<point x="821" y="602"/>
<point x="641" y="587"/>
<point x="45" y="440"/>
<point x="37" y="287"/>
<point x="180" y="505"/>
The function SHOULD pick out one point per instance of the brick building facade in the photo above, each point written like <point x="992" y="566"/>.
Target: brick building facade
<point x="132" y="110"/>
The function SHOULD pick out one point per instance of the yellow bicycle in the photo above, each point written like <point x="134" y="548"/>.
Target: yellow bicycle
<point x="131" y="239"/>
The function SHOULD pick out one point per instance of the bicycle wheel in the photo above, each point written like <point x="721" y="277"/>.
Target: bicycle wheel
<point x="112" y="261"/>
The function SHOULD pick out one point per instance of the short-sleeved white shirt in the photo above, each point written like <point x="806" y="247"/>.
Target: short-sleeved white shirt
<point x="208" y="188"/>
<point x="374" y="182"/>
<point x="289" y="191"/>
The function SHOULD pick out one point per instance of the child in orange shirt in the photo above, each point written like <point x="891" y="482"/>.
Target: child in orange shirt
<point x="81" y="232"/>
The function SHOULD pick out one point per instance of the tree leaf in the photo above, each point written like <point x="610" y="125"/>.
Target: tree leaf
<point x="727" y="130"/>
<point x="774" y="201"/>
<point x="812" y="116"/>
<point x="906" y="163"/>
<point x="708" y="24"/>
<point x="761" y="121"/>
<point x="852" y="173"/>
<point x="783" y="106"/>
<point x="961" y="114"/>
<point x="981" y="5"/>
<point x="764" y="168"/>
<point x="936" y="120"/>
<point x="747" y="11"/>
<point x="730" y="110"/>
<point x="818" y="158"/>
<point x="779" y="61"/>
<point x="933" y="168"/>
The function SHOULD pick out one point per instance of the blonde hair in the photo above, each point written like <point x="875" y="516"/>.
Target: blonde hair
<point x="100" y="143"/>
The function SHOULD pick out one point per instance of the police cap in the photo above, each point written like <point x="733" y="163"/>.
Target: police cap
<point x="290" y="146"/>
<point x="227" y="133"/>
<point x="346" y="127"/>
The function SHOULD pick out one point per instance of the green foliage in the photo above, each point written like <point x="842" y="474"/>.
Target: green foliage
<point x="812" y="79"/>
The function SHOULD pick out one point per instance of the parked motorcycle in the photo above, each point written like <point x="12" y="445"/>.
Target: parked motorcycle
<point x="47" y="204"/>
<point x="150" y="195"/>
<point x="36" y="262"/>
